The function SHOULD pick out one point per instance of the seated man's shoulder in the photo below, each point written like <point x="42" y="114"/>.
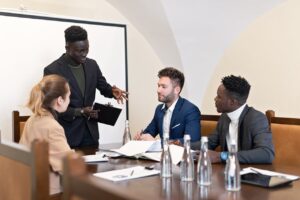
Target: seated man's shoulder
<point x="252" y="112"/>
<point x="255" y="116"/>
<point x="187" y="104"/>
<point x="159" y="107"/>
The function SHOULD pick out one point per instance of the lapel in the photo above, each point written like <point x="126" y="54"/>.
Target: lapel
<point x="88" y="72"/>
<point x="176" y="111"/>
<point x="160" y="114"/>
<point x="240" y="130"/>
<point x="225" y="131"/>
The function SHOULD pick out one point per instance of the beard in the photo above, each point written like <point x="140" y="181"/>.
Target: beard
<point x="166" y="99"/>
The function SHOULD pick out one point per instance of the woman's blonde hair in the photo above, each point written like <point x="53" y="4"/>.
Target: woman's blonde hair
<point x="42" y="94"/>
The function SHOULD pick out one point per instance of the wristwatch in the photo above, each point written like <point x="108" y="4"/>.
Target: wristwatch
<point x="224" y="156"/>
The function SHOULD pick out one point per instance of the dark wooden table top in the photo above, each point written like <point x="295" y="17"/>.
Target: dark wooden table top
<point x="154" y="187"/>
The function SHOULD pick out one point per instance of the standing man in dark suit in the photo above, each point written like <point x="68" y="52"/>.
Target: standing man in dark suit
<point x="176" y="116"/>
<point x="239" y="124"/>
<point x="84" y="76"/>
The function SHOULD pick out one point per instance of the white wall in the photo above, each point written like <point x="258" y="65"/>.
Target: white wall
<point x="267" y="54"/>
<point x="142" y="60"/>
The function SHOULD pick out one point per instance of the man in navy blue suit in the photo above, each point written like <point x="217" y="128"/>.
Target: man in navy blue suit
<point x="176" y="115"/>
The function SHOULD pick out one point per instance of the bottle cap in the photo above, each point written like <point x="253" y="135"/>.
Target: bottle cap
<point x="233" y="148"/>
<point x="186" y="137"/>
<point x="204" y="139"/>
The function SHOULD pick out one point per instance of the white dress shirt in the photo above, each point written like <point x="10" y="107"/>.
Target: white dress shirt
<point x="167" y="117"/>
<point x="232" y="136"/>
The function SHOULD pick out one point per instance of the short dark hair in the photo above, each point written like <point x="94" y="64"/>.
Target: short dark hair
<point x="237" y="87"/>
<point x="174" y="74"/>
<point x="75" y="33"/>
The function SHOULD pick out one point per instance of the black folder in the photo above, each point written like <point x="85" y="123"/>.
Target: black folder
<point x="107" y="113"/>
<point x="265" y="180"/>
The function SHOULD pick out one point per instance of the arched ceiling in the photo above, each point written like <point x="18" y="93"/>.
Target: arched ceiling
<point x="192" y="34"/>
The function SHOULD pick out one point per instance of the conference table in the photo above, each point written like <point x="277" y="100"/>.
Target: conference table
<point x="154" y="187"/>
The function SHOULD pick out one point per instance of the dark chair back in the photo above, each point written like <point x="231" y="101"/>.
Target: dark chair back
<point x="18" y="125"/>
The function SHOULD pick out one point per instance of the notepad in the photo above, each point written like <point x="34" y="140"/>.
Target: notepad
<point x="128" y="173"/>
<point x="107" y="114"/>
<point x="265" y="178"/>
<point x="139" y="149"/>
<point x="95" y="158"/>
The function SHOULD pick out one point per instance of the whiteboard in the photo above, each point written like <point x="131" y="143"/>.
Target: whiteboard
<point x="31" y="42"/>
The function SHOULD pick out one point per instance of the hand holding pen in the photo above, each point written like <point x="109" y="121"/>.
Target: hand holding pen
<point x="143" y="136"/>
<point x="90" y="113"/>
<point x="138" y="135"/>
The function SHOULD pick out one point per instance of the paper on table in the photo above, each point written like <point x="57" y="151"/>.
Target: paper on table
<point x="151" y="155"/>
<point x="126" y="174"/>
<point x="138" y="149"/>
<point x="95" y="158"/>
<point x="176" y="153"/>
<point x="267" y="172"/>
<point x="155" y="147"/>
<point x="134" y="147"/>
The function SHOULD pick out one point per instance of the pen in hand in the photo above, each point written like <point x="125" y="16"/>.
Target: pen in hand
<point x="141" y="134"/>
<point x="132" y="172"/>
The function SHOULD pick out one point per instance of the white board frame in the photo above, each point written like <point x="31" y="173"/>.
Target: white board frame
<point x="30" y="42"/>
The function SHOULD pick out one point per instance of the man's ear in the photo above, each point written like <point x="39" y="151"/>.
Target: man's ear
<point x="234" y="102"/>
<point x="177" y="89"/>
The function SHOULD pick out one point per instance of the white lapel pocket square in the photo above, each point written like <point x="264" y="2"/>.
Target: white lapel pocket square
<point x="175" y="126"/>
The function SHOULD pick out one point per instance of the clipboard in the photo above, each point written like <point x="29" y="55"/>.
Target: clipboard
<point x="107" y="114"/>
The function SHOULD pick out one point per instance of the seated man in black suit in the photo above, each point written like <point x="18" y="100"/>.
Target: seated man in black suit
<point x="239" y="124"/>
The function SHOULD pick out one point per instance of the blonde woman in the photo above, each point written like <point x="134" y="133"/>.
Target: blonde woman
<point x="49" y="96"/>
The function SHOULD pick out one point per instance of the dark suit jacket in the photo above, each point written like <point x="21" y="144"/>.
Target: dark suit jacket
<point x="254" y="137"/>
<point x="75" y="127"/>
<point x="185" y="119"/>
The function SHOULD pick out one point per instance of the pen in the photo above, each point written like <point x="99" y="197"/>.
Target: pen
<point x="141" y="133"/>
<point x="132" y="172"/>
<point x="92" y="109"/>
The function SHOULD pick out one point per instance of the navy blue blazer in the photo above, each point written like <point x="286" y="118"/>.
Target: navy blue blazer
<point x="76" y="126"/>
<point x="185" y="119"/>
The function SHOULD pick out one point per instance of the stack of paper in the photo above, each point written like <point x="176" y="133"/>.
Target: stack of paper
<point x="126" y="174"/>
<point x="140" y="149"/>
<point x="267" y="172"/>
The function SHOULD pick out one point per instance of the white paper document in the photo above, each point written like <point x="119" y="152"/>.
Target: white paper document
<point x="134" y="147"/>
<point x="128" y="173"/>
<point x="175" y="150"/>
<point x="155" y="147"/>
<point x="176" y="153"/>
<point x="95" y="158"/>
<point x="140" y="149"/>
<point x="267" y="172"/>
